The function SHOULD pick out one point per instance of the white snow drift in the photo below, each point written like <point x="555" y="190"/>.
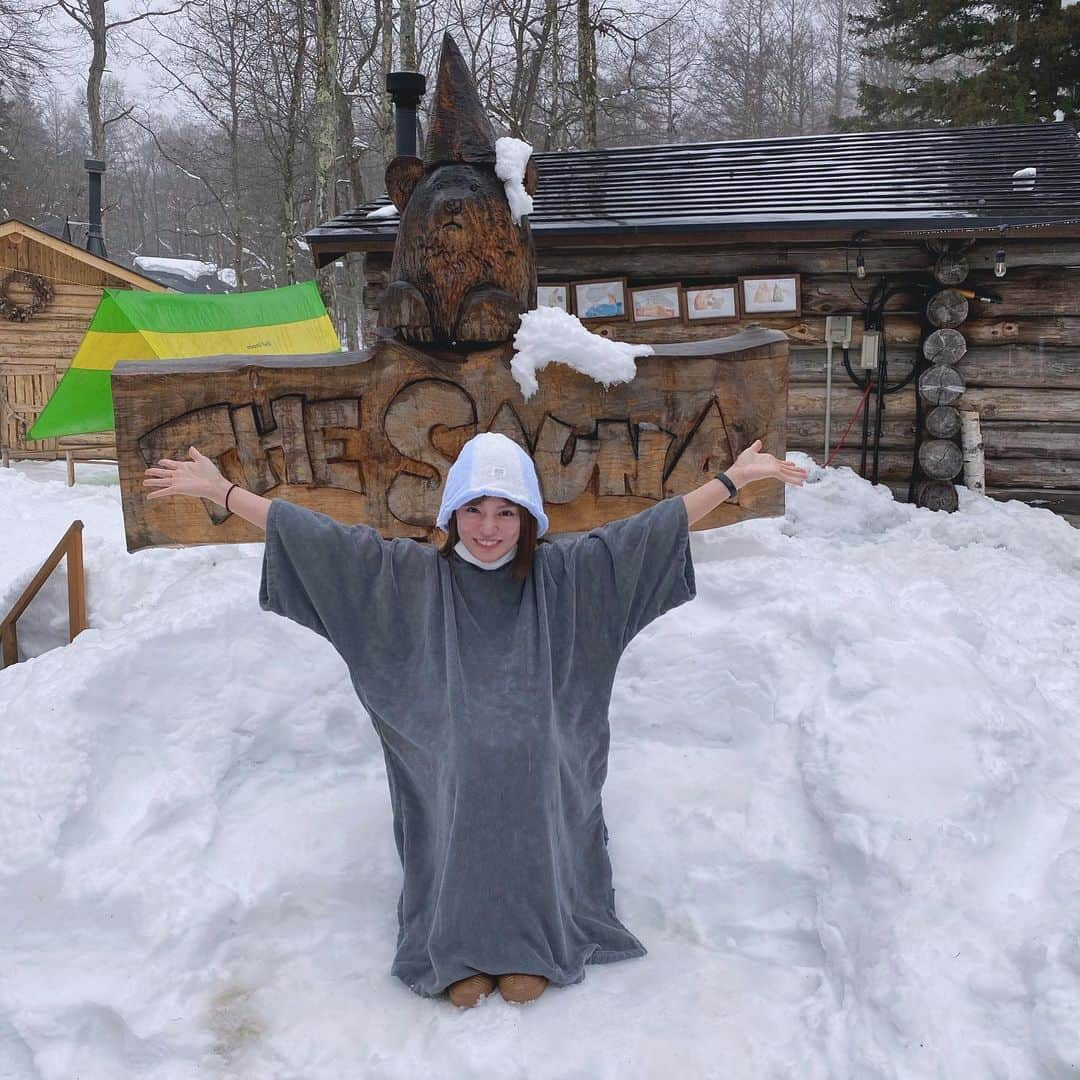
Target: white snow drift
<point x="843" y="799"/>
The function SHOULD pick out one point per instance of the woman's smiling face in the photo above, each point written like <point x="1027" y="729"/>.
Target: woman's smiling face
<point x="489" y="526"/>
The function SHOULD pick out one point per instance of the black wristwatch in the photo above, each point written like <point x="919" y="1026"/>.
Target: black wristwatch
<point x="727" y="482"/>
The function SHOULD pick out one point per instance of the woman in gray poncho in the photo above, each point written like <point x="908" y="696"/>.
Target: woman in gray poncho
<point x="486" y="667"/>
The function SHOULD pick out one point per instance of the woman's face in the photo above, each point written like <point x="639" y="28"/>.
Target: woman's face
<point x="489" y="526"/>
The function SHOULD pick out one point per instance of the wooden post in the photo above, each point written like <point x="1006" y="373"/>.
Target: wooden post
<point x="9" y="644"/>
<point x="70" y="545"/>
<point x="70" y="468"/>
<point x="76" y="581"/>
<point x="5" y="457"/>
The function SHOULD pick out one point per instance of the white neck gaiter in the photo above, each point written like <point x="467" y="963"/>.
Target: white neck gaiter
<point x="468" y="556"/>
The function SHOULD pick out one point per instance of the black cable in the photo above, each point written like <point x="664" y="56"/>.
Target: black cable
<point x="874" y="319"/>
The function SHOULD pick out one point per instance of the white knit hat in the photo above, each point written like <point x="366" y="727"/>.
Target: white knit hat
<point x="492" y="464"/>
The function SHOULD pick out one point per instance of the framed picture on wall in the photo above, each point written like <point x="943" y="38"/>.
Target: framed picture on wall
<point x="553" y="294"/>
<point x="656" y="304"/>
<point x="711" y="304"/>
<point x="601" y="300"/>
<point x="773" y="294"/>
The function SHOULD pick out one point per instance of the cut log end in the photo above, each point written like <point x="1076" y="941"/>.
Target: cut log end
<point x="937" y="495"/>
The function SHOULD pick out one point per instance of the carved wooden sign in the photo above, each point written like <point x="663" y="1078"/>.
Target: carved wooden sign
<point x="368" y="437"/>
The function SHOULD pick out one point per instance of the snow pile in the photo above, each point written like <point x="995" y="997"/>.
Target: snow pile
<point x="550" y="334"/>
<point x="843" y="803"/>
<point x="511" y="159"/>
<point x="388" y="211"/>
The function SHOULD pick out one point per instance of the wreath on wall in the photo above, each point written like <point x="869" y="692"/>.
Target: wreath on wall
<point x="39" y="286"/>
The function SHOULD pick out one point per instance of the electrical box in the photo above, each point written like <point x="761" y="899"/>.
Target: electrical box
<point x="838" y="330"/>
<point x="871" y="350"/>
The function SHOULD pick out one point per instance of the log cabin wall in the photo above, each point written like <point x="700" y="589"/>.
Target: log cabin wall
<point x="1022" y="367"/>
<point x="36" y="353"/>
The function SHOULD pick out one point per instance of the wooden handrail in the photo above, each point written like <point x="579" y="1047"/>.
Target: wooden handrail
<point x="71" y="546"/>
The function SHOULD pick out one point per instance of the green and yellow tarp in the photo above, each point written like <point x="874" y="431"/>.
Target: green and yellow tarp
<point x="130" y="325"/>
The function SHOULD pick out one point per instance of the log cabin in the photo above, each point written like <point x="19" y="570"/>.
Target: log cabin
<point x="955" y="250"/>
<point x="36" y="351"/>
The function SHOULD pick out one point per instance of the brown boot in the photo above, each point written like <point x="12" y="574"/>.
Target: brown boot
<point x="466" y="993"/>
<point x="519" y="989"/>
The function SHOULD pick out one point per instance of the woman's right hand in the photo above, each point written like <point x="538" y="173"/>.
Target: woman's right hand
<point x="198" y="477"/>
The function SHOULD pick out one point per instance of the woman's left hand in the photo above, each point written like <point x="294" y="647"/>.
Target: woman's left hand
<point x="753" y="465"/>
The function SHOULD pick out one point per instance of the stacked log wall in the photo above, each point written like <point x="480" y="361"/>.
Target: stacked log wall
<point x="1022" y="367"/>
<point x="36" y="353"/>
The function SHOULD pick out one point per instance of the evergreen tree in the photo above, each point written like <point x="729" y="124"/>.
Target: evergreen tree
<point x="970" y="62"/>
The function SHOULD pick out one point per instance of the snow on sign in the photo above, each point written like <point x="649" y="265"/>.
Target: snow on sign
<point x="368" y="438"/>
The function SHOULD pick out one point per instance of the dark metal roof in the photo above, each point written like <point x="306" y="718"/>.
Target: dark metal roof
<point x="943" y="179"/>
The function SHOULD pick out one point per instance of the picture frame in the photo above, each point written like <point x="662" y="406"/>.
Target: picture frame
<point x="553" y="294"/>
<point x="655" y="304"/>
<point x="770" y="294"/>
<point x="704" y="304"/>
<point x="600" y="300"/>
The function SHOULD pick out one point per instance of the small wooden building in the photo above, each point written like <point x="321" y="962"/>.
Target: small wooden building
<point x="894" y="205"/>
<point x="35" y="352"/>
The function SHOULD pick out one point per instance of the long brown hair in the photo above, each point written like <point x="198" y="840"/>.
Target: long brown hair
<point x="526" y="545"/>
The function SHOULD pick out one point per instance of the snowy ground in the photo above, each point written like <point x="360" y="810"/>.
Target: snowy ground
<point x="844" y="803"/>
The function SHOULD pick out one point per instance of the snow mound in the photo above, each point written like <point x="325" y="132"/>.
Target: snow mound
<point x="842" y="797"/>
<point x="549" y="334"/>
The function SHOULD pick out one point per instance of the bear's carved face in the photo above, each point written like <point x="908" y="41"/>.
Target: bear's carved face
<point x="456" y="203"/>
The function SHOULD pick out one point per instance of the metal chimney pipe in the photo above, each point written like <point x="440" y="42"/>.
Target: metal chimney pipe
<point x="95" y="238"/>
<point x="405" y="88"/>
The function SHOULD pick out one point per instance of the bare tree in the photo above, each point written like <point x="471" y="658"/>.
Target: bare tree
<point x="586" y="55"/>
<point x="92" y="16"/>
<point x="24" y="51"/>
<point x="276" y="87"/>
<point x="794" y="99"/>
<point x="209" y="60"/>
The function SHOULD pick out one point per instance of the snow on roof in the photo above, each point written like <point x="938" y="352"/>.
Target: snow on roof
<point x="190" y="269"/>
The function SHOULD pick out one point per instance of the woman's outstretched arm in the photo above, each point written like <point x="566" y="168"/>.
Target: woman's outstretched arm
<point x="749" y="466"/>
<point x="200" y="478"/>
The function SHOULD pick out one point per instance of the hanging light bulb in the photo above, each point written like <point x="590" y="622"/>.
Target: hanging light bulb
<point x="860" y="266"/>
<point x="999" y="263"/>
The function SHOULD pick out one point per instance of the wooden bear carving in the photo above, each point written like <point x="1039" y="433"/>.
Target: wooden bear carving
<point x="463" y="272"/>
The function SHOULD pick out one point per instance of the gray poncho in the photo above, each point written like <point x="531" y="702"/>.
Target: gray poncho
<point x="491" y="700"/>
